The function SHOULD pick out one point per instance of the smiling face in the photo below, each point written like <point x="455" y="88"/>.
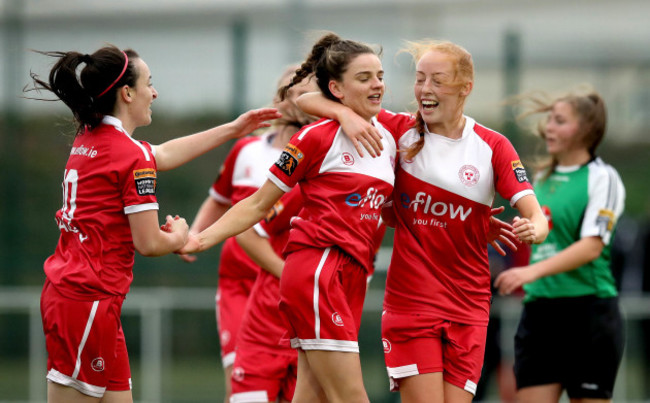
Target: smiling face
<point x="142" y="95"/>
<point x="562" y="130"/>
<point x="361" y="87"/>
<point x="439" y="95"/>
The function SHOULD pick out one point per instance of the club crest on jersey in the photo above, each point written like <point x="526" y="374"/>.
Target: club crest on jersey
<point x="469" y="175"/>
<point x="97" y="364"/>
<point x="145" y="181"/>
<point x="289" y="159"/>
<point x="274" y="212"/>
<point x="225" y="337"/>
<point x="386" y="344"/>
<point x="520" y="171"/>
<point x="336" y="319"/>
<point x="238" y="374"/>
<point x="347" y="158"/>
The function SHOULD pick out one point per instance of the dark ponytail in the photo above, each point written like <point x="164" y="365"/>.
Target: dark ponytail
<point x="93" y="94"/>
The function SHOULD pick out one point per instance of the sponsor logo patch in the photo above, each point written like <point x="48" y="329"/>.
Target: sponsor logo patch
<point x="520" y="171"/>
<point x="84" y="151"/>
<point x="274" y="212"/>
<point x="289" y="159"/>
<point x="145" y="181"/>
<point x="606" y="216"/>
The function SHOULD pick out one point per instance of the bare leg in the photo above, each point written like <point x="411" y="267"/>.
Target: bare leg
<point x="227" y="375"/>
<point x="541" y="393"/>
<point x="339" y="375"/>
<point x="57" y="393"/>
<point x="64" y="394"/>
<point x="307" y="387"/>
<point x="123" y="396"/>
<point x="454" y="394"/>
<point x="423" y="388"/>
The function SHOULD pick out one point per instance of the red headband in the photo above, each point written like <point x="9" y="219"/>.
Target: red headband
<point x="126" y="64"/>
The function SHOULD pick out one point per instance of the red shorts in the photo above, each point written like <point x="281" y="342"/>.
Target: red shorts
<point x="85" y="343"/>
<point x="263" y="375"/>
<point x="420" y="344"/>
<point x="321" y="296"/>
<point x="232" y="296"/>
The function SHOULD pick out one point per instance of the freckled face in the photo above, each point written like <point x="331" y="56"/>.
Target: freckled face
<point x="362" y="86"/>
<point x="439" y="100"/>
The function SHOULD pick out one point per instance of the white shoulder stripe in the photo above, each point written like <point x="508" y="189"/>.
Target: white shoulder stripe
<point x="300" y="137"/>
<point x="147" y="156"/>
<point x="117" y="124"/>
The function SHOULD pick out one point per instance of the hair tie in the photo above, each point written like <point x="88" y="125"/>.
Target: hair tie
<point x="86" y="58"/>
<point x="126" y="64"/>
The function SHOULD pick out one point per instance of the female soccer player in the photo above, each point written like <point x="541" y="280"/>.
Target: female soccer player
<point x="570" y="335"/>
<point x="329" y="250"/>
<point x="109" y="212"/>
<point x="437" y="300"/>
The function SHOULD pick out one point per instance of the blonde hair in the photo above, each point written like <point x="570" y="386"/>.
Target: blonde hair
<point x="463" y="74"/>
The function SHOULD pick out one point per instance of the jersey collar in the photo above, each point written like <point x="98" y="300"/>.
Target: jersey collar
<point x="115" y="122"/>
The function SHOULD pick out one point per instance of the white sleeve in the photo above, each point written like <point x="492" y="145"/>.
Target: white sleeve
<point x="606" y="202"/>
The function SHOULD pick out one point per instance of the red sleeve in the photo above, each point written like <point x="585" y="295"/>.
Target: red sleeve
<point x="303" y="155"/>
<point x="509" y="173"/>
<point x="139" y="181"/>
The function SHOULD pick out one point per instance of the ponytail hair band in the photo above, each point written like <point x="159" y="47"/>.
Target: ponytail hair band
<point x="126" y="64"/>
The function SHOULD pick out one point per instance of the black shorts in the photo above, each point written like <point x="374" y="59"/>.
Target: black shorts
<point x="576" y="342"/>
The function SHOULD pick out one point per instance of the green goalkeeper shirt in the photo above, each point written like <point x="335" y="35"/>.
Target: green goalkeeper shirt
<point x="579" y="201"/>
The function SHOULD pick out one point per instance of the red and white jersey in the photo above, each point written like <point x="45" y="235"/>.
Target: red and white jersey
<point x="342" y="192"/>
<point x="262" y="324"/>
<point x="108" y="175"/>
<point x="442" y="200"/>
<point x="242" y="173"/>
